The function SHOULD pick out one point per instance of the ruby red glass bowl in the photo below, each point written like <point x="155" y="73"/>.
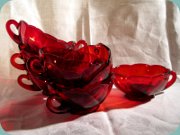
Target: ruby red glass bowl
<point x="141" y="81"/>
<point x="78" y="81"/>
<point x="31" y="38"/>
<point x="76" y="76"/>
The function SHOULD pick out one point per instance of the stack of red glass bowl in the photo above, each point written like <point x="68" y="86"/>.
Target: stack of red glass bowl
<point x="76" y="77"/>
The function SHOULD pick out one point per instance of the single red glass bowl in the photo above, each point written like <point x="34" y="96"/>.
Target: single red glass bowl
<point x="30" y="37"/>
<point x="76" y="65"/>
<point x="80" y="100"/>
<point x="141" y="81"/>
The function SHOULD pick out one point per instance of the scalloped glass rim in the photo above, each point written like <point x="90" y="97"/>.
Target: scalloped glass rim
<point x="128" y="68"/>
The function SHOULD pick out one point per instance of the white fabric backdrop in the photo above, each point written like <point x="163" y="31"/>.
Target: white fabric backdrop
<point x="145" y="31"/>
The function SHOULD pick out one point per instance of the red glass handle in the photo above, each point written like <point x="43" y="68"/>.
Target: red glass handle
<point x="173" y="79"/>
<point x="80" y="44"/>
<point x="13" y="61"/>
<point x="35" y="66"/>
<point x="14" y="37"/>
<point x="54" y="108"/>
<point x="26" y="86"/>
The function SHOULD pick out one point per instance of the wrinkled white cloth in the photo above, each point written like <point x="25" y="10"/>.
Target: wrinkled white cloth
<point x="137" y="31"/>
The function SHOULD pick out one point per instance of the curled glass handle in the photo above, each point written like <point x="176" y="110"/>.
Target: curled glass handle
<point x="35" y="66"/>
<point x="16" y="65"/>
<point x="56" y="105"/>
<point x="30" y="87"/>
<point x="13" y="36"/>
<point x="173" y="79"/>
<point x="80" y="44"/>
